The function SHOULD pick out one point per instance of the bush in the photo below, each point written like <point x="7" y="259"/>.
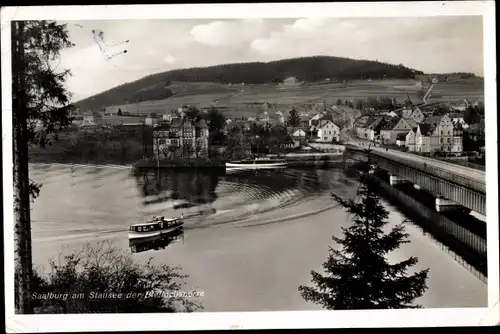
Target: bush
<point x="104" y="269"/>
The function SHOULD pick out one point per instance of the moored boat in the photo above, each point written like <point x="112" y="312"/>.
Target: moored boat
<point x="155" y="227"/>
<point x="258" y="163"/>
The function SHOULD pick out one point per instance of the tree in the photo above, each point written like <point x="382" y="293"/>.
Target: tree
<point x="472" y="115"/>
<point x="236" y="144"/>
<point x="40" y="110"/>
<point x="339" y="102"/>
<point x="216" y="123"/>
<point x="192" y="113"/>
<point x="359" y="105"/>
<point x="358" y="275"/>
<point x="119" y="113"/>
<point x="277" y="137"/>
<point x="293" y="118"/>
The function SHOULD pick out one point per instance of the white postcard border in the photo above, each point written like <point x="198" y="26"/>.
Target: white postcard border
<point x="253" y="320"/>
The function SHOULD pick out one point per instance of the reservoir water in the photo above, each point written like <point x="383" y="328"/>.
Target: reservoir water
<point x="251" y="238"/>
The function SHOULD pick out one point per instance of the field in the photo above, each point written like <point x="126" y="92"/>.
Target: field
<point x="239" y="100"/>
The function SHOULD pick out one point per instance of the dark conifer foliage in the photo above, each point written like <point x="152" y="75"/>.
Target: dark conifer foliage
<point x="358" y="273"/>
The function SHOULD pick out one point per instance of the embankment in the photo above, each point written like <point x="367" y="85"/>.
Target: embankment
<point x="97" y="145"/>
<point x="462" y="236"/>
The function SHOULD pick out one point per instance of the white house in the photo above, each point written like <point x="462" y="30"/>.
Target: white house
<point x="438" y="133"/>
<point x="401" y="139"/>
<point x="298" y="133"/>
<point x="90" y="118"/>
<point x="151" y="120"/>
<point x="328" y="131"/>
<point x="423" y="138"/>
<point x="410" y="140"/>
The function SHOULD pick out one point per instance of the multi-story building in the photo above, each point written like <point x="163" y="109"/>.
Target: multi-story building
<point x="410" y="140"/>
<point x="328" y="132"/>
<point x="438" y="133"/>
<point x="394" y="128"/>
<point x="183" y="138"/>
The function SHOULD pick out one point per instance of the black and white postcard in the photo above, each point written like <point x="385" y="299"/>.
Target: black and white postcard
<point x="246" y="166"/>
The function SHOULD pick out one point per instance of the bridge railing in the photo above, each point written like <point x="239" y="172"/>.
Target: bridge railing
<point x="465" y="164"/>
<point x="433" y="170"/>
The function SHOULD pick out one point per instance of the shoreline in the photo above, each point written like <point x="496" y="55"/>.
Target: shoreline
<point x="69" y="164"/>
<point x="337" y="161"/>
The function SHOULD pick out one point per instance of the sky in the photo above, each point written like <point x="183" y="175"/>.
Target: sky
<point x="430" y="44"/>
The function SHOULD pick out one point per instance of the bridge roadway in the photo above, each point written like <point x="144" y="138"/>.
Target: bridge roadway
<point x="464" y="185"/>
<point x="467" y="172"/>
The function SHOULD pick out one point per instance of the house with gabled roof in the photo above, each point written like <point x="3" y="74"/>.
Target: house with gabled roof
<point x="371" y="128"/>
<point x="152" y="119"/>
<point x="438" y="133"/>
<point x="328" y="131"/>
<point x="296" y="132"/>
<point x="393" y="128"/>
<point x="414" y="113"/>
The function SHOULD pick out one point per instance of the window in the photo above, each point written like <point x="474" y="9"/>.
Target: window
<point x="174" y="142"/>
<point x="161" y="141"/>
<point x="441" y="140"/>
<point x="449" y="140"/>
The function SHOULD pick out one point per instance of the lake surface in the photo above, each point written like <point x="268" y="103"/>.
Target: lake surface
<point x="250" y="238"/>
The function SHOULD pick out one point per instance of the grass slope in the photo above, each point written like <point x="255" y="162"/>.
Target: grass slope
<point x="309" y="69"/>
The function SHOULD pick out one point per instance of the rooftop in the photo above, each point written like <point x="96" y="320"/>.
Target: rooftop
<point x="433" y="120"/>
<point x="426" y="129"/>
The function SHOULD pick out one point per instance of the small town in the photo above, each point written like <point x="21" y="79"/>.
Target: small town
<point x="451" y="131"/>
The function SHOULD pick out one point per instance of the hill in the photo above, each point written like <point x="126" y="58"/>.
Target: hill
<point x="308" y="69"/>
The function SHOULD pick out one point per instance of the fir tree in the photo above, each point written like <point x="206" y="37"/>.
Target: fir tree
<point x="293" y="118"/>
<point x="40" y="109"/>
<point x="359" y="276"/>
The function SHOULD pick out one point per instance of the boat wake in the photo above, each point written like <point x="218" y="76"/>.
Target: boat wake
<point x="104" y="202"/>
